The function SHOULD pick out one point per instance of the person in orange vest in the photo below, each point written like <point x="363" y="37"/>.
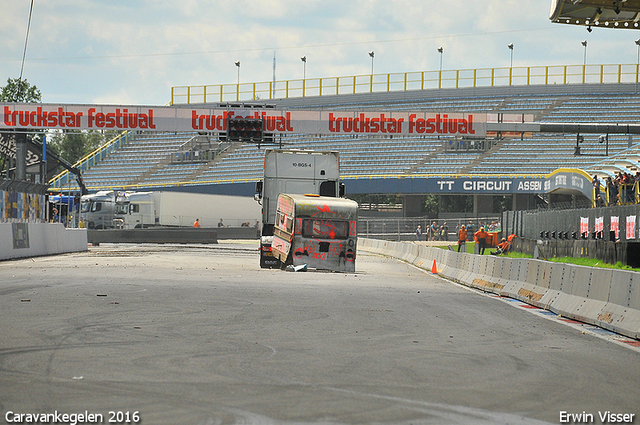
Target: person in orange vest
<point x="462" y="238"/>
<point x="502" y="247"/>
<point x="197" y="223"/>
<point x="481" y="239"/>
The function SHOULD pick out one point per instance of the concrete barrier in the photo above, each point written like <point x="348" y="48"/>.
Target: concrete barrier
<point x="602" y="297"/>
<point x="21" y="240"/>
<point x="154" y="235"/>
<point x="202" y="235"/>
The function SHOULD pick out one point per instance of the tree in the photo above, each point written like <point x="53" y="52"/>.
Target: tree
<point x="73" y="145"/>
<point x="18" y="90"/>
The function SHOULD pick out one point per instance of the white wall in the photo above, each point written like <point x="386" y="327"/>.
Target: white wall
<point x="44" y="239"/>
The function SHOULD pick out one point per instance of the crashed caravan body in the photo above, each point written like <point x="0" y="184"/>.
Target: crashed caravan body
<point x="318" y="231"/>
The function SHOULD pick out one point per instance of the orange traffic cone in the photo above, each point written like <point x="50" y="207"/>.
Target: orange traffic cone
<point x="434" y="269"/>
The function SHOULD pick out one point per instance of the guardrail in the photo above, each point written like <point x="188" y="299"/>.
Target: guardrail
<point x="606" y="298"/>
<point x="403" y="81"/>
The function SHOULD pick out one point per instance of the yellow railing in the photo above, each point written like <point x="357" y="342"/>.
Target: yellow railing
<point x="368" y="83"/>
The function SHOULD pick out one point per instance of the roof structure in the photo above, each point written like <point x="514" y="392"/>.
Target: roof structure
<point x="617" y="14"/>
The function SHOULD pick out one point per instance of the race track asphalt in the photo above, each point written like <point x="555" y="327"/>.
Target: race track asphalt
<point x="200" y="335"/>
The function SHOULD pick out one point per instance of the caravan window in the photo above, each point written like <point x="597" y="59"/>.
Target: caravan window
<point x="284" y="222"/>
<point x="134" y="208"/>
<point x="325" y="229"/>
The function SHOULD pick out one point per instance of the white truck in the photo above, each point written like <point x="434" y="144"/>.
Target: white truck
<point x="293" y="171"/>
<point x="97" y="209"/>
<point x="129" y="210"/>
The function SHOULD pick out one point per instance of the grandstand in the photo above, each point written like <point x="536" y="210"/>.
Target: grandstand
<point x="201" y="162"/>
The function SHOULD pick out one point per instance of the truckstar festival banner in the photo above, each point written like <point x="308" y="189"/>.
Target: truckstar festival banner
<point x="40" y="116"/>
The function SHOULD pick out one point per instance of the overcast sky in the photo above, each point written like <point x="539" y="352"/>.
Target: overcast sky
<point x="134" y="51"/>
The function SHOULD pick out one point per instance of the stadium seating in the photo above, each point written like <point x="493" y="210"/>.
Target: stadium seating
<point x="146" y="160"/>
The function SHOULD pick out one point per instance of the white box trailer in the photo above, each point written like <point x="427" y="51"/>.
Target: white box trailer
<point x="182" y="209"/>
<point x="293" y="171"/>
<point x="129" y="210"/>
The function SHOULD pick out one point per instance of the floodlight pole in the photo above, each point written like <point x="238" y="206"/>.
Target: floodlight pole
<point x="238" y="85"/>
<point x="510" y="46"/>
<point x="441" y="51"/>
<point x="584" y="62"/>
<point x="372" y="54"/>
<point x="638" y="63"/>
<point x="304" y="73"/>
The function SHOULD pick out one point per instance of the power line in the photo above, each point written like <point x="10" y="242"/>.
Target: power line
<point x="260" y="49"/>
<point x="24" y="53"/>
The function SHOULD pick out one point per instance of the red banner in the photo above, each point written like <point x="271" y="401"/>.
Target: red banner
<point x="39" y="116"/>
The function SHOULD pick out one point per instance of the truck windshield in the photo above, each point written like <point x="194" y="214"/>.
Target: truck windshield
<point x="85" y="206"/>
<point x="122" y="208"/>
<point x="325" y="229"/>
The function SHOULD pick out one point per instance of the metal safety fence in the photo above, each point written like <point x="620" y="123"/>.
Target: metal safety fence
<point x="405" y="229"/>
<point x="615" y="223"/>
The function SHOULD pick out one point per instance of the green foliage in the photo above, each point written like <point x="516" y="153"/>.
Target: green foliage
<point x="587" y="262"/>
<point x="73" y="145"/>
<point x="430" y="206"/>
<point x="18" y="90"/>
<point x="471" y="246"/>
<point x="436" y="204"/>
<point x="457" y="203"/>
<point x="502" y="203"/>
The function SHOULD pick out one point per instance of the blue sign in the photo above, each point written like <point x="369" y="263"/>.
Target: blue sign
<point x="447" y="185"/>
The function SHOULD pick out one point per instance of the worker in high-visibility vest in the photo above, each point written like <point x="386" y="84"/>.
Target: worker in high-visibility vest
<point x="481" y="239"/>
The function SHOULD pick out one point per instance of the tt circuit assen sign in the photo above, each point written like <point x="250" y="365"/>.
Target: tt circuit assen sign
<point x="37" y="116"/>
<point x="487" y="185"/>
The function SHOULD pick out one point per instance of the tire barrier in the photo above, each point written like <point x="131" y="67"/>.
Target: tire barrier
<point x="606" y="298"/>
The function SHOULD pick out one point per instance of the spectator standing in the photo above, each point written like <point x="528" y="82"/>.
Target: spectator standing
<point x="596" y="186"/>
<point x="196" y="223"/>
<point x="470" y="229"/>
<point x="433" y="230"/>
<point x="612" y="191"/>
<point x="419" y="233"/>
<point x="445" y="232"/>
